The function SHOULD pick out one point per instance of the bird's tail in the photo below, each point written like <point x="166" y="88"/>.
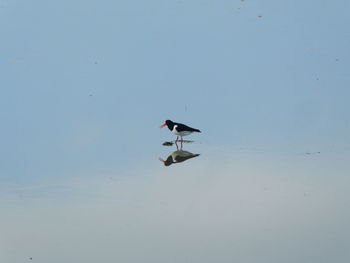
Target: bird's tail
<point x="196" y="130"/>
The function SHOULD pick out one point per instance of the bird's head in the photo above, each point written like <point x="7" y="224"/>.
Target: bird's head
<point x="168" y="123"/>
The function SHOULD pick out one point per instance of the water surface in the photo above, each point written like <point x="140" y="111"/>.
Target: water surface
<point x="85" y="86"/>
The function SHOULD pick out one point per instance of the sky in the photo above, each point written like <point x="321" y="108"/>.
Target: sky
<point x="86" y="85"/>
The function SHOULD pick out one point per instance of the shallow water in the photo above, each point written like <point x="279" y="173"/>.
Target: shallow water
<point x="225" y="204"/>
<point x="84" y="174"/>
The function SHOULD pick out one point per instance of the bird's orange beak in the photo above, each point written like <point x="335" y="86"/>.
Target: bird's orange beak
<point x="161" y="126"/>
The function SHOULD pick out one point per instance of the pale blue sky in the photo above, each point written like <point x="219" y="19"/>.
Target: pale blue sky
<point x="86" y="84"/>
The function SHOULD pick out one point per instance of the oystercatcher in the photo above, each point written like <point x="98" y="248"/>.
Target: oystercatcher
<point x="179" y="129"/>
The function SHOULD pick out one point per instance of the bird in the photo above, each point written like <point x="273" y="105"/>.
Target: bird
<point x="179" y="129"/>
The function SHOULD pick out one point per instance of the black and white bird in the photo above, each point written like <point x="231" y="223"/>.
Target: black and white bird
<point x="179" y="129"/>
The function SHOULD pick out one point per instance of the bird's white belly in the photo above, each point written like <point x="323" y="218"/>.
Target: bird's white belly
<point x="182" y="133"/>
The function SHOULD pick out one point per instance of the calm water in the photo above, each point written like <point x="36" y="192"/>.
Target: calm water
<point x="85" y="85"/>
<point x="227" y="204"/>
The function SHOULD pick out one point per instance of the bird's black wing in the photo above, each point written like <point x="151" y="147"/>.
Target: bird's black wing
<point x="182" y="127"/>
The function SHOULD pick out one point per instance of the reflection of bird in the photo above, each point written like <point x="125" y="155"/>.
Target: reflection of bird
<point x="179" y="129"/>
<point x="178" y="157"/>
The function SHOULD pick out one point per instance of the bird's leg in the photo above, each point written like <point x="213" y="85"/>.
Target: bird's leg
<point x="177" y="138"/>
<point x="181" y="142"/>
<point x="177" y="146"/>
